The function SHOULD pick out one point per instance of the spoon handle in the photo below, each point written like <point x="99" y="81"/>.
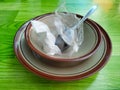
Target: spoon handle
<point x="91" y="11"/>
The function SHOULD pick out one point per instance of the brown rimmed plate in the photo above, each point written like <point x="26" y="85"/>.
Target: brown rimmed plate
<point x="84" y="69"/>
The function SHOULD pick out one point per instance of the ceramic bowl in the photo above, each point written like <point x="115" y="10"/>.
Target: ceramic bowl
<point x="92" y="39"/>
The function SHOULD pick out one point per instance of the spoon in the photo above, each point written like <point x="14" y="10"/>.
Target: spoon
<point x="67" y="38"/>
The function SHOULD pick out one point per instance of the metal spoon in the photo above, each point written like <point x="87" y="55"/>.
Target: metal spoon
<point x="66" y="39"/>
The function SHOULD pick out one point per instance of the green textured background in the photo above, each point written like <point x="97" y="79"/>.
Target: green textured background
<point x="13" y="13"/>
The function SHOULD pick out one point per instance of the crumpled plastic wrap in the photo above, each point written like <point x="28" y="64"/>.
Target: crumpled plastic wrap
<point x="47" y="39"/>
<point x="61" y="21"/>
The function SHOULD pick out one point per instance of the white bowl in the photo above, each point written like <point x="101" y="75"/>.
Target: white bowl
<point x="92" y="39"/>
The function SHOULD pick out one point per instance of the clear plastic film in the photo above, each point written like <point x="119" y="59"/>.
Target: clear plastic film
<point x="68" y="39"/>
<point x="71" y="34"/>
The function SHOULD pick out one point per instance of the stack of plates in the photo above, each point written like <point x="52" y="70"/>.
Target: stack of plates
<point x="79" y="71"/>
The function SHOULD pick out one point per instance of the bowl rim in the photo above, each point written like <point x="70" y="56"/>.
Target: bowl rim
<point x="48" y="57"/>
